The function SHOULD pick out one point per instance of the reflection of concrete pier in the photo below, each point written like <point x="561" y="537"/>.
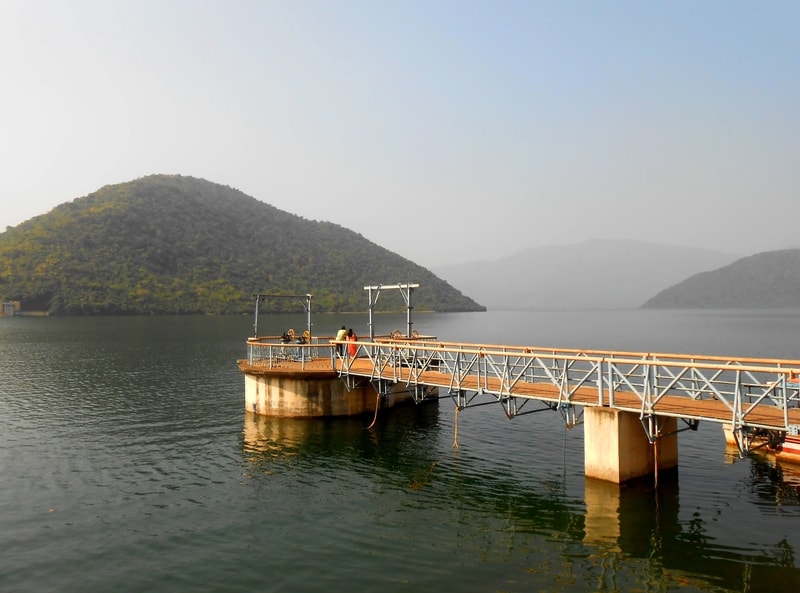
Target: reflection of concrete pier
<point x="639" y="521"/>
<point x="636" y="521"/>
<point x="602" y="523"/>
<point x="274" y="436"/>
<point x="615" y="515"/>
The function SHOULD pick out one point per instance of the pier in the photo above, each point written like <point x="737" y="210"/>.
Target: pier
<point x="294" y="376"/>
<point x="632" y="404"/>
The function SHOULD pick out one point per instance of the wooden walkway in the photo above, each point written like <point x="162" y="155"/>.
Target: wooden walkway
<point x="751" y="397"/>
<point x="763" y="415"/>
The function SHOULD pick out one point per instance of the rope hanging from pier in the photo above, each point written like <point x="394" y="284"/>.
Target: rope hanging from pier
<point x="455" y="435"/>
<point x="377" y="405"/>
<point x="655" y="461"/>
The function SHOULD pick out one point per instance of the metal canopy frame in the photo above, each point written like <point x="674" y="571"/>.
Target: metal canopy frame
<point x="405" y="290"/>
<point x="305" y="300"/>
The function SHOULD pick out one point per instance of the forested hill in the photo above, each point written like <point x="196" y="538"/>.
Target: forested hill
<point x="762" y="281"/>
<point x="173" y="245"/>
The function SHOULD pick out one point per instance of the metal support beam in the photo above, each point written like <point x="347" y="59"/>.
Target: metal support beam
<point x="305" y="301"/>
<point x="405" y="290"/>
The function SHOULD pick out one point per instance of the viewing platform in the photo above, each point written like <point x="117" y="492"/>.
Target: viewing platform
<point x="632" y="405"/>
<point x="303" y="380"/>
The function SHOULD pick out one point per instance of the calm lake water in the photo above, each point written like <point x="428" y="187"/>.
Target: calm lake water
<point x="129" y="464"/>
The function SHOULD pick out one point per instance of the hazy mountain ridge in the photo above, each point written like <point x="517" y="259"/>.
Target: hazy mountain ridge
<point x="595" y="274"/>
<point x="177" y="244"/>
<point x="762" y="281"/>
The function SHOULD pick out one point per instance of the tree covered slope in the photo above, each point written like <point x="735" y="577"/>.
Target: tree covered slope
<point x="762" y="281"/>
<point x="173" y="245"/>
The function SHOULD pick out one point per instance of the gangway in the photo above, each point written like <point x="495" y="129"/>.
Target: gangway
<point x="757" y="399"/>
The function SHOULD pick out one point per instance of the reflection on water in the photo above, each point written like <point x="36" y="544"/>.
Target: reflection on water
<point x="638" y="521"/>
<point x="275" y="438"/>
<point x="615" y="536"/>
<point x="774" y="484"/>
<point x="129" y="464"/>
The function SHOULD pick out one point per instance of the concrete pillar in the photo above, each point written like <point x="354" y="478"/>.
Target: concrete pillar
<point x="616" y="448"/>
<point x="298" y="395"/>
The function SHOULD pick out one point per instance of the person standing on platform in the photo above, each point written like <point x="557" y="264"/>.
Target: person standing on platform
<point x="341" y="335"/>
<point x="352" y="347"/>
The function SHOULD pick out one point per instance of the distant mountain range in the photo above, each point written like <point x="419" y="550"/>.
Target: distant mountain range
<point x="762" y="281"/>
<point x="174" y="244"/>
<point x="595" y="274"/>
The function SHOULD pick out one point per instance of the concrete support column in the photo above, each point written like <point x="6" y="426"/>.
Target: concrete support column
<point x="616" y="448"/>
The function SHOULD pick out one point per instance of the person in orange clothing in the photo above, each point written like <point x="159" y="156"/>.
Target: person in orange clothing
<point x="352" y="347"/>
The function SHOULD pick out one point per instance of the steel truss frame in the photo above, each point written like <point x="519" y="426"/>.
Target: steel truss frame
<point x="478" y="374"/>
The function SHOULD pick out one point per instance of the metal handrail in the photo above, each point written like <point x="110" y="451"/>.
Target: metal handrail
<point x="742" y="385"/>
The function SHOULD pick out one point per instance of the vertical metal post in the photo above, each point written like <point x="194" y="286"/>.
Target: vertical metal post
<point x="737" y="400"/>
<point x="308" y="313"/>
<point x="371" y="305"/>
<point x="600" y="382"/>
<point x="255" y="322"/>
<point x="610" y="384"/>
<point x="409" y="323"/>
<point x="785" y="390"/>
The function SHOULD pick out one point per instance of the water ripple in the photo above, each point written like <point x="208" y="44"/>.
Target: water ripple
<point x="129" y="465"/>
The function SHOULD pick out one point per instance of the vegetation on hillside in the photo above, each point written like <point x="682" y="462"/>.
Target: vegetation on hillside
<point x="762" y="281"/>
<point x="178" y="245"/>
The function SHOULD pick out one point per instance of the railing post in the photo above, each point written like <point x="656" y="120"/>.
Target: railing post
<point x="737" y="402"/>
<point x="599" y="372"/>
<point x="785" y="390"/>
<point x="654" y="376"/>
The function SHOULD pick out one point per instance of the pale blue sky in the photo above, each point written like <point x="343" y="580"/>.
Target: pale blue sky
<point x="444" y="131"/>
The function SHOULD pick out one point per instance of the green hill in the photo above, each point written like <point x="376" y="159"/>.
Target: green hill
<point x="762" y="281"/>
<point x="179" y="245"/>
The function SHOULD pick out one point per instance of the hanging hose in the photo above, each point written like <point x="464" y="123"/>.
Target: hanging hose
<point x="455" y="434"/>
<point x="377" y="405"/>
<point x="564" y="454"/>
<point x="655" y="460"/>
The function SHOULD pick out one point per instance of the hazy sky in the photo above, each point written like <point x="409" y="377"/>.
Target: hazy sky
<point x="444" y="131"/>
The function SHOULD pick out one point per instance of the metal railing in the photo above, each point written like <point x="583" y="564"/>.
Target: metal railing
<point x="510" y="375"/>
<point x="272" y="351"/>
